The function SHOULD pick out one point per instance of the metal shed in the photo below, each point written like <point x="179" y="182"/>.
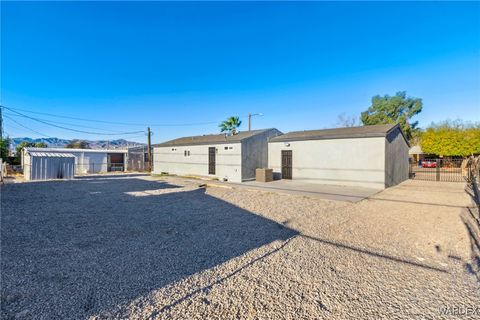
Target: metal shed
<point x="48" y="165"/>
<point x="89" y="161"/>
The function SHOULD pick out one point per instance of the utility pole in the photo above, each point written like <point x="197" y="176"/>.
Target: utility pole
<point x="250" y="119"/>
<point x="149" y="150"/>
<point x="1" y="123"/>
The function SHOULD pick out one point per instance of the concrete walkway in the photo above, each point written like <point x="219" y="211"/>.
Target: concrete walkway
<point x="328" y="192"/>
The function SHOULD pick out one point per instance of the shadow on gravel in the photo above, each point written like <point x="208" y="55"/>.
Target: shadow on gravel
<point x="373" y="253"/>
<point x="110" y="176"/>
<point x="471" y="219"/>
<point x="76" y="249"/>
<point x="376" y="198"/>
<point x="473" y="267"/>
<point x="220" y="280"/>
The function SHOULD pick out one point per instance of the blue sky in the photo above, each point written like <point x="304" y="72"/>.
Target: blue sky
<point x="300" y="64"/>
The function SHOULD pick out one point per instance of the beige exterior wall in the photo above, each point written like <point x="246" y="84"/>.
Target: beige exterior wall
<point x="349" y="162"/>
<point x="173" y="160"/>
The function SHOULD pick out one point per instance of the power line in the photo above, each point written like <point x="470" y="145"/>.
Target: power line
<point x="46" y="136"/>
<point x="34" y="131"/>
<point x="140" y="136"/>
<point x="70" y="129"/>
<point x="122" y="123"/>
<point x="66" y="123"/>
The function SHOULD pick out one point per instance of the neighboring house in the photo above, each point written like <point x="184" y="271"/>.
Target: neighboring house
<point x="368" y="156"/>
<point x="226" y="157"/>
<point x="416" y="154"/>
<point x="86" y="160"/>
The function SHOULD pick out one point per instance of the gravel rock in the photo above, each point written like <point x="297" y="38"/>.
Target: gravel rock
<point x="136" y="247"/>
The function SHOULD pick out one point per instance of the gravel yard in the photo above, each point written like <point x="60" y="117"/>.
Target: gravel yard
<point x="139" y="247"/>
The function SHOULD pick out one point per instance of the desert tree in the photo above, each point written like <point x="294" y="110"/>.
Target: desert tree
<point x="345" y="120"/>
<point x="394" y="109"/>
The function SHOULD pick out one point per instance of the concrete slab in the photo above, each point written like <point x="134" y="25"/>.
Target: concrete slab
<point x="329" y="192"/>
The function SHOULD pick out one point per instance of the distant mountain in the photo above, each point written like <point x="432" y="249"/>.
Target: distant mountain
<point x="94" y="144"/>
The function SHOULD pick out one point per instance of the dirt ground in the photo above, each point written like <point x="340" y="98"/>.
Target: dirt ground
<point x="139" y="247"/>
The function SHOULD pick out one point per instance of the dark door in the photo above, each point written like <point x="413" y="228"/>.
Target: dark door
<point x="115" y="162"/>
<point x="286" y="164"/>
<point x="211" y="160"/>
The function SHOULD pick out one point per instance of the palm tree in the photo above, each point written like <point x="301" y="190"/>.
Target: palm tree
<point x="230" y="125"/>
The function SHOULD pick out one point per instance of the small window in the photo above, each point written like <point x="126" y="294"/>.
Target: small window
<point x="226" y="148"/>
<point x="188" y="153"/>
<point x="230" y="148"/>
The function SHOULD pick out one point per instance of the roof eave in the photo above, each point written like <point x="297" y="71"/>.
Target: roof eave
<point x="167" y="145"/>
<point x="287" y="139"/>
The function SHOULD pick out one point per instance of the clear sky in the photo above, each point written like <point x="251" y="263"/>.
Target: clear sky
<point x="300" y="64"/>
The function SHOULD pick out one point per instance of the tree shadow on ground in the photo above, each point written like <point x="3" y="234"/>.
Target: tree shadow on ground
<point x="373" y="253"/>
<point x="471" y="219"/>
<point x="76" y="249"/>
<point x="473" y="266"/>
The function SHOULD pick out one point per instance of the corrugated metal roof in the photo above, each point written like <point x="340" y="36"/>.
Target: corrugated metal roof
<point x="337" y="133"/>
<point x="67" y="150"/>
<point x="211" y="139"/>
<point x="51" y="154"/>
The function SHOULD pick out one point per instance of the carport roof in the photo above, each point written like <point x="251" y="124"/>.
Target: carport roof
<point x="211" y="139"/>
<point x="68" y="150"/>
<point x="337" y="133"/>
<point x="51" y="154"/>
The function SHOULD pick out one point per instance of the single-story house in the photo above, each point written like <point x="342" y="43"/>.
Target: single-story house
<point x="368" y="156"/>
<point x="226" y="157"/>
<point x="86" y="160"/>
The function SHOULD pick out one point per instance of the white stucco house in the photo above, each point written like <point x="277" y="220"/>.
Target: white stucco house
<point x="226" y="157"/>
<point x="368" y="156"/>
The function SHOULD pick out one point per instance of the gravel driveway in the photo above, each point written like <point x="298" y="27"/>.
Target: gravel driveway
<point x="136" y="247"/>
